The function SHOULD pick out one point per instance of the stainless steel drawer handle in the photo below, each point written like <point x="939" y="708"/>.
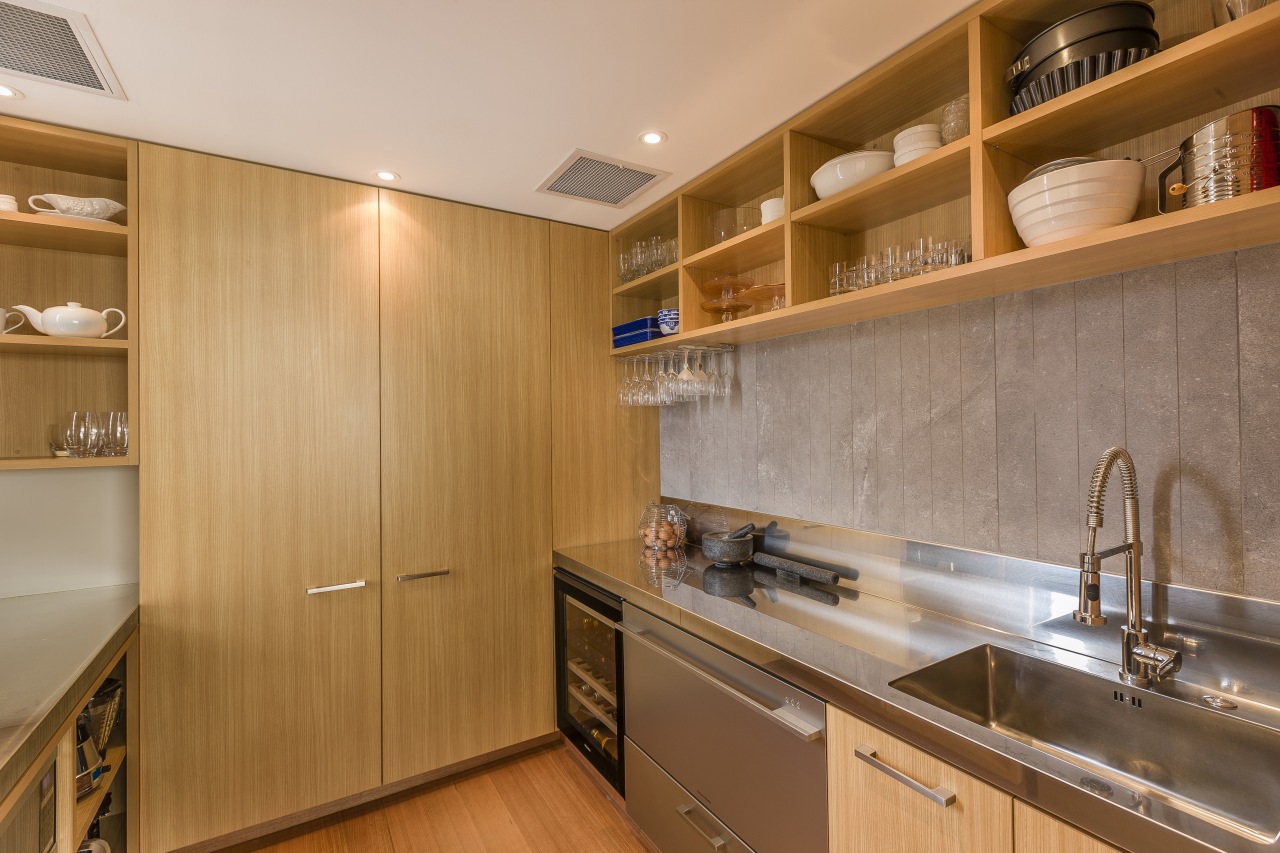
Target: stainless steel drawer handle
<point x="782" y="716"/>
<point x="314" y="590"/>
<point x="716" y="842"/>
<point x="417" y="576"/>
<point x="939" y="795"/>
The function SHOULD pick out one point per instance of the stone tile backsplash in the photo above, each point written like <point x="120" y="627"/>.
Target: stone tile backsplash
<point x="979" y="424"/>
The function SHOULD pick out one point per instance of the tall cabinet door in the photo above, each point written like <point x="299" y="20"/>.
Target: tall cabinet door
<point x="259" y="484"/>
<point x="466" y="482"/>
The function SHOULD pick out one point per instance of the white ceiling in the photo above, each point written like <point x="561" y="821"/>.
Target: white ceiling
<point x="474" y="100"/>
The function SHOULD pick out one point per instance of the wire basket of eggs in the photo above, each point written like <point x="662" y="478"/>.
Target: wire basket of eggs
<point x="662" y="529"/>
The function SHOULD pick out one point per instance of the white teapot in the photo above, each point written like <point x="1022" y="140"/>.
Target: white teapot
<point x="71" y="321"/>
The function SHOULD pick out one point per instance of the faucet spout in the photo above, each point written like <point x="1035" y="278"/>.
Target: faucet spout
<point x="1141" y="662"/>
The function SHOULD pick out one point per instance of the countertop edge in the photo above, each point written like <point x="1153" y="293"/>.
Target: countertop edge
<point x="61" y="707"/>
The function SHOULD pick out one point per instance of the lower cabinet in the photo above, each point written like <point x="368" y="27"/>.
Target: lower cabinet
<point x="886" y="796"/>
<point x="1036" y="832"/>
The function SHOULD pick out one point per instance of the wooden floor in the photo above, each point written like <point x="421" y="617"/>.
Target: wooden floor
<point x="539" y="802"/>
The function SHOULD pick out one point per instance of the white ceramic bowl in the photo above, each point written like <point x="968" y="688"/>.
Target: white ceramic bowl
<point x="923" y="131"/>
<point x="1067" y="195"/>
<point x="1065" y="225"/>
<point x="849" y="169"/>
<point x="1076" y="200"/>
<point x="903" y="157"/>
<point x="918" y="139"/>
<point x="770" y="210"/>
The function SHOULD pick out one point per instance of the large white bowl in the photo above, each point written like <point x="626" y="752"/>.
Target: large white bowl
<point x="903" y="143"/>
<point x="1069" y="194"/>
<point x="849" y="169"/>
<point x="1038" y="213"/>
<point x="1076" y="200"/>
<point x="905" y="156"/>
<point x="1072" y="224"/>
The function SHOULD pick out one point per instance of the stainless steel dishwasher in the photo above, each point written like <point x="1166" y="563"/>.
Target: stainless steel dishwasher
<point x="719" y="754"/>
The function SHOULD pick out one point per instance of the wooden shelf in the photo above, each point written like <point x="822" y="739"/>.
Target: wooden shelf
<point x="51" y="462"/>
<point x="67" y="235"/>
<point x="41" y="345"/>
<point x="1238" y="223"/>
<point x="759" y="246"/>
<point x="594" y="710"/>
<point x="933" y="179"/>
<point x="1209" y="72"/>
<point x="87" y="809"/>
<point x="656" y="285"/>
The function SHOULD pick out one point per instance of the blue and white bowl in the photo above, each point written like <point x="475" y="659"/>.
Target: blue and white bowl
<point x="669" y="320"/>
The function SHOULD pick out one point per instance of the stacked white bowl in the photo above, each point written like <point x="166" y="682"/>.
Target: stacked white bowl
<point x="1059" y="203"/>
<point x="916" y="142"/>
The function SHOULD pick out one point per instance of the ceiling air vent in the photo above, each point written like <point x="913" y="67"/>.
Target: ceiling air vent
<point x="56" y="45"/>
<point x="600" y="180"/>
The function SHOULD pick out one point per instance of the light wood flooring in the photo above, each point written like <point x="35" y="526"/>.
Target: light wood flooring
<point x="539" y="802"/>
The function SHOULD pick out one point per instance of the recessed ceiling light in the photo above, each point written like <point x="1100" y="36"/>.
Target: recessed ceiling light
<point x="386" y="175"/>
<point x="653" y="137"/>
<point x="10" y="92"/>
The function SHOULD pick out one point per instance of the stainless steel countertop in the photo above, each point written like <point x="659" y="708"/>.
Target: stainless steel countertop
<point x="52" y="647"/>
<point x="848" y="654"/>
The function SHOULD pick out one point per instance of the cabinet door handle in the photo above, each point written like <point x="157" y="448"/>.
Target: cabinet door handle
<point x="939" y="795"/>
<point x="313" y="590"/>
<point x="716" y="842"/>
<point x="420" y="575"/>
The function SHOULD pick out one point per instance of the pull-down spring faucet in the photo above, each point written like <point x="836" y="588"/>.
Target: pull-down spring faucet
<point x="1140" y="661"/>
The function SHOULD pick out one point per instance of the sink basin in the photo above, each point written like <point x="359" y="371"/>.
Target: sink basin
<point x="1218" y="768"/>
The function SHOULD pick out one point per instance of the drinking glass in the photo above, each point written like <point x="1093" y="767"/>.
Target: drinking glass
<point x="657" y="254"/>
<point x="839" y="278"/>
<point x="58" y="439"/>
<point x="81" y="431"/>
<point x="625" y="273"/>
<point x="889" y="267"/>
<point x="955" y="120"/>
<point x="116" y="434"/>
<point x="673" y="250"/>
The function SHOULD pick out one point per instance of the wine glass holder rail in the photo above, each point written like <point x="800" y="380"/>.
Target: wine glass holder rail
<point x="1202" y="73"/>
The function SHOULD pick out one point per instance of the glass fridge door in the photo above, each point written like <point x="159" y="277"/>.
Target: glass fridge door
<point x="588" y="704"/>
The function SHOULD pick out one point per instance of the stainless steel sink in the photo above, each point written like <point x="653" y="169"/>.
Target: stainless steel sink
<point x="1219" y="768"/>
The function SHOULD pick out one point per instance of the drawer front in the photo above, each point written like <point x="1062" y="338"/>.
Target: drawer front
<point x="739" y="739"/>
<point x="886" y="795"/>
<point x="672" y="817"/>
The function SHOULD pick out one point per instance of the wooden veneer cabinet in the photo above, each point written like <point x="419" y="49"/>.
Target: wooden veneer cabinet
<point x="46" y="261"/>
<point x="1201" y="74"/>
<point x="260" y="386"/>
<point x="346" y="384"/>
<point x="466" y="482"/>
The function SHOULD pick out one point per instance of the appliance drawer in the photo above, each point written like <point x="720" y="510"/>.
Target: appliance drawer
<point x="670" y="815"/>
<point x="749" y="746"/>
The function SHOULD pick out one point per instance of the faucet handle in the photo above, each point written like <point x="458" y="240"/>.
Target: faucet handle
<point x="1090" y="609"/>
<point x="1164" y="661"/>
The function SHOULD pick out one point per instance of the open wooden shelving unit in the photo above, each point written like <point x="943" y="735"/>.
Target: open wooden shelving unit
<point x="49" y="260"/>
<point x="1201" y="74"/>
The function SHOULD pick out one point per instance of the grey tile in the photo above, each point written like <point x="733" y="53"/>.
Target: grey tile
<point x="1100" y="394"/>
<point x="703" y="451"/>
<point x="674" y="426"/>
<point x="1016" y="424"/>
<point x="841" y="443"/>
<point x="741" y="433"/>
<point x="917" y="452"/>
<point x="1151" y="413"/>
<point x="782" y="423"/>
<point x="888" y="350"/>
<point x="978" y="417"/>
<point x="817" y="504"/>
<point x="945" y="425"/>
<point x="1057" y="445"/>
<point x="1259" y="271"/>
<point x="1209" y="423"/>
<point x="862" y="424"/>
